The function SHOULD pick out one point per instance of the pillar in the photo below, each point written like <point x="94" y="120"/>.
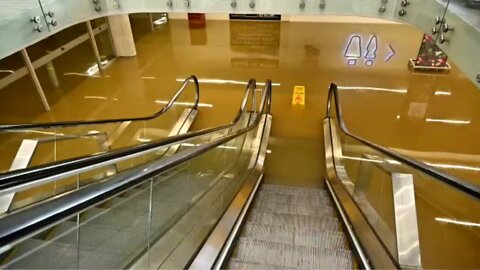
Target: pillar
<point x="122" y="36"/>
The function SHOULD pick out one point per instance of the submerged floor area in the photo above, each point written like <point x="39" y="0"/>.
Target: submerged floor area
<point x="428" y="117"/>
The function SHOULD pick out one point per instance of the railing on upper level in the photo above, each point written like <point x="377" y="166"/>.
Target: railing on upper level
<point x="455" y="24"/>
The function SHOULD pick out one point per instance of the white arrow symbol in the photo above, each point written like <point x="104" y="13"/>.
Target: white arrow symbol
<point x="391" y="53"/>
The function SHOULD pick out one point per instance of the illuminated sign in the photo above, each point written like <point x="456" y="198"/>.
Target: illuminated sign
<point x="354" y="52"/>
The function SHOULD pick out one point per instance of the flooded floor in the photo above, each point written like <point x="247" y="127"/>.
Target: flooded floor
<point x="384" y="102"/>
<point x="432" y="118"/>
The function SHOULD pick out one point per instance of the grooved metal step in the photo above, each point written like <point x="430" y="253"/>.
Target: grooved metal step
<point x="239" y="265"/>
<point x="292" y="208"/>
<point x="293" y="199"/>
<point x="291" y="256"/>
<point x="291" y="228"/>
<point x="294" y="236"/>
<point x="296" y="221"/>
<point x="289" y="190"/>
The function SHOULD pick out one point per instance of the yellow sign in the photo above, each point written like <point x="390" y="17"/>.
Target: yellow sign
<point x="298" y="95"/>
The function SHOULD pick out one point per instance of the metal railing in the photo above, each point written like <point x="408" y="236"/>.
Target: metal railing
<point x="186" y="82"/>
<point x="358" y="183"/>
<point x="27" y="178"/>
<point x="451" y="180"/>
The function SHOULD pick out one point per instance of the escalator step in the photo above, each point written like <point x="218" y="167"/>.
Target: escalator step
<point x="239" y="265"/>
<point x="301" y="209"/>
<point x="297" y="221"/>
<point x="291" y="227"/>
<point x="289" y="190"/>
<point x="294" y="236"/>
<point x="293" y="199"/>
<point x="291" y="256"/>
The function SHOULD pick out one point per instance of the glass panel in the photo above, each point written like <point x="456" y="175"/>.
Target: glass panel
<point x="448" y="223"/>
<point x="53" y="248"/>
<point x="208" y="184"/>
<point x="47" y="190"/>
<point x="61" y="143"/>
<point x="61" y="149"/>
<point x="367" y="176"/>
<point x="113" y="233"/>
<point x="162" y="221"/>
<point x="444" y="214"/>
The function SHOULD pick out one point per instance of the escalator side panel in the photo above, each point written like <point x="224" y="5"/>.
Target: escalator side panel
<point x="374" y="249"/>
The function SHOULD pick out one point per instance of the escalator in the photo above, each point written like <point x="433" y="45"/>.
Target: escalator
<point x="150" y="202"/>
<point x="291" y="227"/>
<point x="210" y="205"/>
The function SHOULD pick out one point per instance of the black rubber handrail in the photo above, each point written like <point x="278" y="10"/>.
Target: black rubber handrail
<point x="450" y="180"/>
<point x="22" y="224"/>
<point x="34" y="175"/>
<point x="7" y="128"/>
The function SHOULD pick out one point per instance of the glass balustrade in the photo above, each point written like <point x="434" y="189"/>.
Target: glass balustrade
<point x="161" y="221"/>
<point x="421" y="220"/>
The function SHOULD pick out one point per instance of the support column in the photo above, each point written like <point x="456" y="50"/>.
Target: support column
<point x="122" y="36"/>
<point x="36" y="82"/>
<point x="94" y="46"/>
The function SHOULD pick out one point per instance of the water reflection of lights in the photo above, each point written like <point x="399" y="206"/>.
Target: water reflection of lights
<point x="220" y="81"/>
<point x="413" y="246"/>
<point x="378" y="89"/>
<point x="91" y="71"/>
<point x="99" y="97"/>
<point x="94" y="68"/>
<point x="436" y="165"/>
<point x="162" y="20"/>
<point x="452" y="166"/>
<point x="144" y="140"/>
<point x="362" y="159"/>
<point x="188" y="104"/>
<point x="448" y="121"/>
<point x="391" y="161"/>
<point x="221" y="146"/>
<point x="95" y="97"/>
<point x="442" y="93"/>
<point x="40" y="132"/>
<point x="457" y="222"/>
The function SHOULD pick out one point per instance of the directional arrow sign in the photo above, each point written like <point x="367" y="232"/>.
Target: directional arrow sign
<point x="390" y="54"/>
